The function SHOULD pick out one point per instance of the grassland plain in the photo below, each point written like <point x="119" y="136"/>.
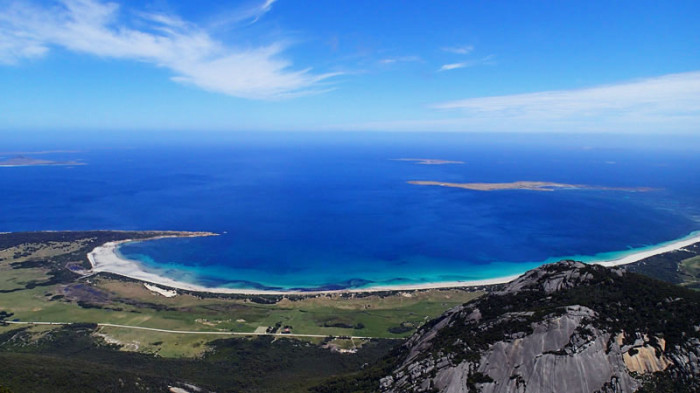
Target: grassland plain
<point x="690" y="268"/>
<point x="40" y="282"/>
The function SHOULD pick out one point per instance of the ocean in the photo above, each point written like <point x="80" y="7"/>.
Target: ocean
<point x="334" y="210"/>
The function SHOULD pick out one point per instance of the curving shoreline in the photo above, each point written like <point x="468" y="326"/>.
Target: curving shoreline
<point x="662" y="248"/>
<point x="106" y="259"/>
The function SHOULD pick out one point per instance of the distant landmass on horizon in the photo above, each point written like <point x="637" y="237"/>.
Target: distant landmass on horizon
<point x="28" y="161"/>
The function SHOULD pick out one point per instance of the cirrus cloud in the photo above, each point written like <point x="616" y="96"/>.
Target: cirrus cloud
<point x="674" y="94"/>
<point x="664" y="104"/>
<point x="488" y="60"/>
<point x="400" y="59"/>
<point x="459" y="50"/>
<point x="94" y="27"/>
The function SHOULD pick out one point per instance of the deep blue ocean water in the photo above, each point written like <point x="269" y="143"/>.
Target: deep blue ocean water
<point x="323" y="211"/>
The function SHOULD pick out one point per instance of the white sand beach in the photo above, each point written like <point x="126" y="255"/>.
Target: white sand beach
<point x="662" y="248"/>
<point x="106" y="259"/>
<point x="160" y="291"/>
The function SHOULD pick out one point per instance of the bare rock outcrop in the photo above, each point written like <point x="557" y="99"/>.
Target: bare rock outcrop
<point x="564" y="327"/>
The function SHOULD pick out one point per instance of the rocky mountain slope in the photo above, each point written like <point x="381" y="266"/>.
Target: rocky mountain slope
<point x="563" y="327"/>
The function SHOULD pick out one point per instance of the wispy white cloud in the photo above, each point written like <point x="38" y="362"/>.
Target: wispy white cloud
<point x="670" y="94"/>
<point x="267" y="5"/>
<point x="94" y="27"/>
<point x="469" y="63"/>
<point x="665" y="104"/>
<point x="459" y="50"/>
<point x="455" y="66"/>
<point x="245" y="14"/>
<point x="401" y="59"/>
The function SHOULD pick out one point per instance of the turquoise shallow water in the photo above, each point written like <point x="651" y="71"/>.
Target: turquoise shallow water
<point x="615" y="255"/>
<point x="314" y="212"/>
<point x="193" y="274"/>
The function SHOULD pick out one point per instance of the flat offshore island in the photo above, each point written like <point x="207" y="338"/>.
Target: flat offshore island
<point x="525" y="185"/>
<point x="429" y="161"/>
<point x="19" y="161"/>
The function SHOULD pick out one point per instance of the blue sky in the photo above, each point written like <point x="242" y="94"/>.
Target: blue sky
<point x="463" y="66"/>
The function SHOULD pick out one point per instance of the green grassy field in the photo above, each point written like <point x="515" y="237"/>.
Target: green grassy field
<point x="690" y="268"/>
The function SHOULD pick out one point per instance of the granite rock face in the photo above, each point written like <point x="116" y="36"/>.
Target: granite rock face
<point x="568" y="274"/>
<point x="527" y="338"/>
